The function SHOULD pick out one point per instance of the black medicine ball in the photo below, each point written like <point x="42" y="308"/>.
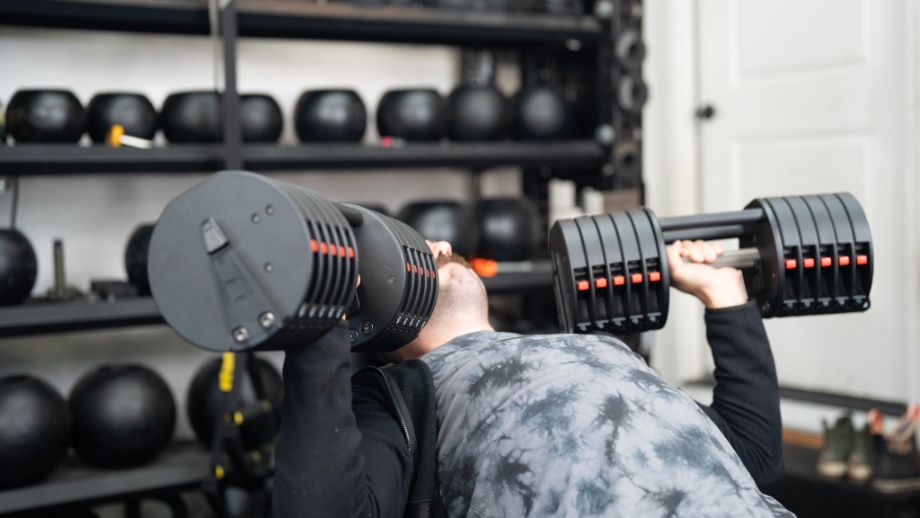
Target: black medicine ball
<point x="541" y="113"/>
<point x="18" y="267"/>
<point x="260" y="118"/>
<point x="330" y="116"/>
<point x="419" y="114"/>
<point x="192" y="117"/>
<point x="34" y="430"/>
<point x="45" y="116"/>
<point x="132" y="111"/>
<point x="508" y="228"/>
<point x="444" y="220"/>
<point x="478" y="113"/>
<point x="204" y="398"/>
<point x="136" y="257"/>
<point x="122" y="416"/>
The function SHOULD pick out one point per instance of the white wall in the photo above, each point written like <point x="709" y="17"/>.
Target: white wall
<point x="674" y="173"/>
<point x="94" y="214"/>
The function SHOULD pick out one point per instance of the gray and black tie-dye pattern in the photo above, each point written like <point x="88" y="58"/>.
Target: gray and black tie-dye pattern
<point x="577" y="425"/>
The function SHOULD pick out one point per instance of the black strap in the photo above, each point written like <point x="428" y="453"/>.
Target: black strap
<point x="413" y="379"/>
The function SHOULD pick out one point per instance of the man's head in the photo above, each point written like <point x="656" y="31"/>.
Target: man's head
<point x="462" y="307"/>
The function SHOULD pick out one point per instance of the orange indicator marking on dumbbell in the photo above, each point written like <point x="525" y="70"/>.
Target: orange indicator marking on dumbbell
<point x="619" y="280"/>
<point x="600" y="282"/>
<point x="808" y="262"/>
<point x="583" y="285"/>
<point x="314" y="245"/>
<point x="333" y="251"/>
<point x="826" y="262"/>
<point x="342" y="250"/>
<point x="636" y="278"/>
<point x="843" y="260"/>
<point x="323" y="248"/>
<point x="408" y="267"/>
<point x="791" y="264"/>
<point x="654" y="276"/>
<point x="862" y="260"/>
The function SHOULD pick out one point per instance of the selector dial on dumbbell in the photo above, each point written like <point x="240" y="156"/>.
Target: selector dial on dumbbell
<point x="800" y="255"/>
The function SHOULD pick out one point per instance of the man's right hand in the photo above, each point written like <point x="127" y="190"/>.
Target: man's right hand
<point x="715" y="287"/>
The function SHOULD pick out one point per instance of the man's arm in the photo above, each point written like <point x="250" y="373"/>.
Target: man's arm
<point x="337" y="455"/>
<point x="745" y="400"/>
<point x="745" y="403"/>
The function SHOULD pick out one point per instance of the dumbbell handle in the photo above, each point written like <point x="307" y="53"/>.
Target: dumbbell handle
<point x="743" y="258"/>
<point x="735" y="218"/>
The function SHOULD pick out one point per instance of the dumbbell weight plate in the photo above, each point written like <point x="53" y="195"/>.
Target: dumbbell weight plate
<point x="240" y="262"/>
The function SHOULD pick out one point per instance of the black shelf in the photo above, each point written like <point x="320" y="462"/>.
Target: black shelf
<point x="60" y="317"/>
<point x="307" y="20"/>
<point x="182" y="467"/>
<point x="73" y="159"/>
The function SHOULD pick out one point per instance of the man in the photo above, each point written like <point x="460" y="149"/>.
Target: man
<point x="557" y="425"/>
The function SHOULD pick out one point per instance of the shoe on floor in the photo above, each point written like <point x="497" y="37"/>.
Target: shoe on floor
<point x="897" y="464"/>
<point x="859" y="465"/>
<point x="838" y="445"/>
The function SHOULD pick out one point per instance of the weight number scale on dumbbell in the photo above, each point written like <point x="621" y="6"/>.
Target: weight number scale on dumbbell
<point x="800" y="255"/>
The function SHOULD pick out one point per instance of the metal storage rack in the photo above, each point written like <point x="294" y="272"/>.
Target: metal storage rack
<point x="595" y="158"/>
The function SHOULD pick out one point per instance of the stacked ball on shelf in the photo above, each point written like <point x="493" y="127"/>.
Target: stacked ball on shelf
<point x="115" y="417"/>
<point x="34" y="430"/>
<point x="501" y="229"/>
<point x="123" y="416"/>
<point x="469" y="113"/>
<point x="18" y="267"/>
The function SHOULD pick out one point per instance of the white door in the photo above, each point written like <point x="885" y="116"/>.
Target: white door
<point x="814" y="96"/>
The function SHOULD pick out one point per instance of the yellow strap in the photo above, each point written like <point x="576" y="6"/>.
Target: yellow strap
<point x="113" y="138"/>
<point x="225" y="378"/>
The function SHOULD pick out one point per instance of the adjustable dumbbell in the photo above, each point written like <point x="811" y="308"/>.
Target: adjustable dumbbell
<point x="800" y="255"/>
<point x="241" y="262"/>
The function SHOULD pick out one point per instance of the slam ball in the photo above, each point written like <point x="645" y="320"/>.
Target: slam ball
<point x="508" y="228"/>
<point x="122" y="416"/>
<point x="133" y="112"/>
<point x="478" y="113"/>
<point x="330" y="116"/>
<point x="541" y="113"/>
<point x="136" y="258"/>
<point x="34" y="430"/>
<point x="444" y="220"/>
<point x="18" y="267"/>
<point x="204" y="399"/>
<point x="419" y="114"/>
<point x="45" y="116"/>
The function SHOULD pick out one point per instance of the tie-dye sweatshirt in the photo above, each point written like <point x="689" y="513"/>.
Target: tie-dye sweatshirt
<point x="579" y="425"/>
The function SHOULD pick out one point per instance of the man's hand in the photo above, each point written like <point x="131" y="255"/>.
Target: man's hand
<point x="715" y="287"/>
<point x="440" y="248"/>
